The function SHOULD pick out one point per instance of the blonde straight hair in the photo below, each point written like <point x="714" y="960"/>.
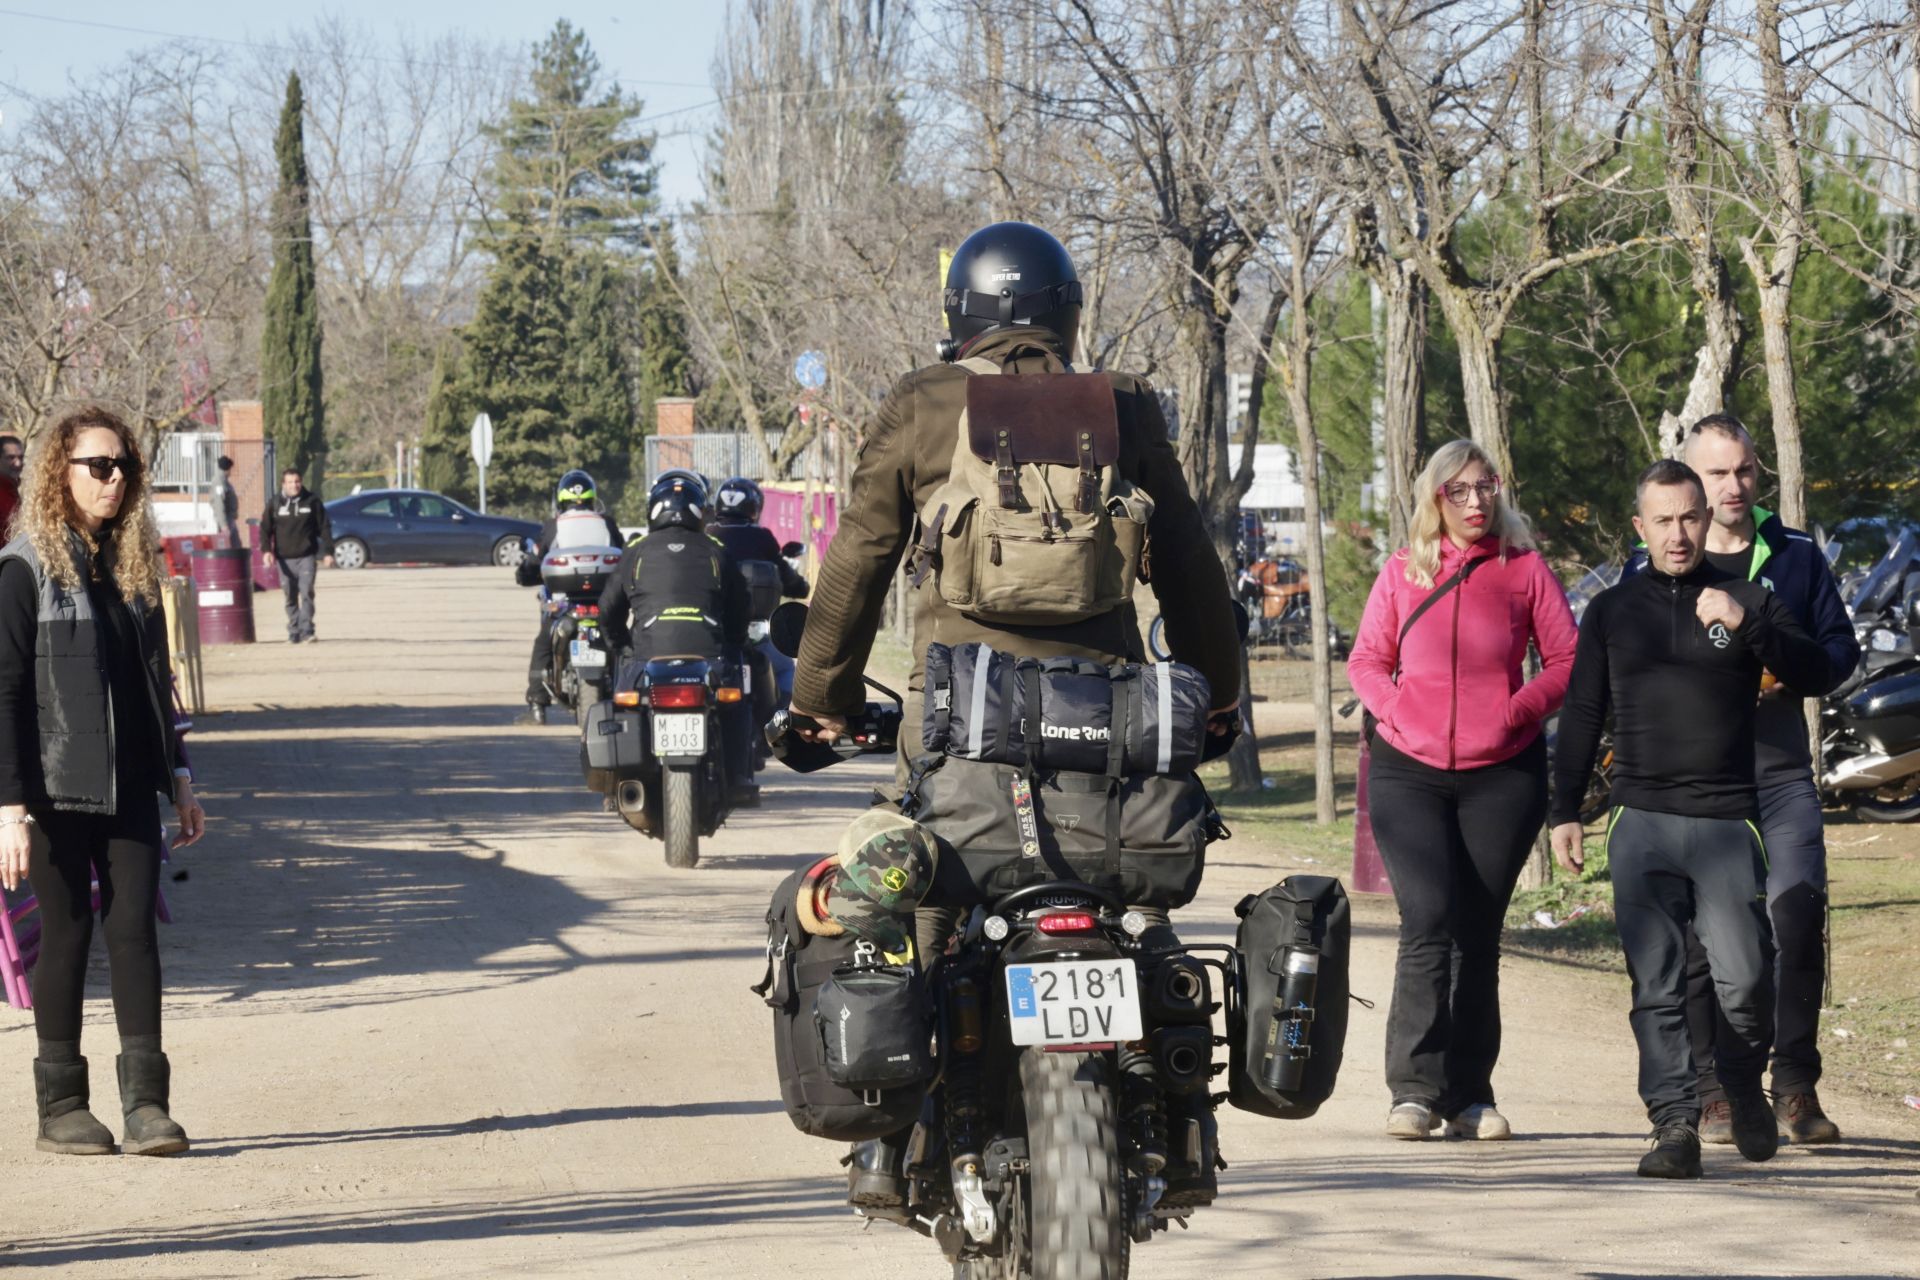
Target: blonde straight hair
<point x="1425" y="533"/>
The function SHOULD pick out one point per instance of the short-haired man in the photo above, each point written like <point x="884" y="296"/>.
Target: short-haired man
<point x="1677" y="653"/>
<point x="299" y="537"/>
<point x="229" y="500"/>
<point x="13" y="459"/>
<point x="1747" y="541"/>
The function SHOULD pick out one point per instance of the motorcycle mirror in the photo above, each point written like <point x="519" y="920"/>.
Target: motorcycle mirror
<point x="785" y="627"/>
<point x="792" y="549"/>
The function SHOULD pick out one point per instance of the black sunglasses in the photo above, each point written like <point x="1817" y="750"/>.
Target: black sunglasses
<point x="102" y="467"/>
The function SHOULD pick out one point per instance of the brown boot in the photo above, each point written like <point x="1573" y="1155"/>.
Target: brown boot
<point x="1716" y="1123"/>
<point x="1802" y="1121"/>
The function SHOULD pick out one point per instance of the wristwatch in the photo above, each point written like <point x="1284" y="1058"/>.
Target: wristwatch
<point x="24" y="820"/>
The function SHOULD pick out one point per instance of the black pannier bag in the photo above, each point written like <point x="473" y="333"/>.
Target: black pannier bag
<point x="876" y="1027"/>
<point x="1299" y="912"/>
<point x="1143" y="836"/>
<point x="763" y="588"/>
<point x="799" y="965"/>
<point x="980" y="706"/>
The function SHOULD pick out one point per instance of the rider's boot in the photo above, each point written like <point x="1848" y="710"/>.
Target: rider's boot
<point x="875" y="1183"/>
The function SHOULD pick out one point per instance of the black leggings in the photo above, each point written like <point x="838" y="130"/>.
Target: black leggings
<point x="1453" y="843"/>
<point x="123" y="851"/>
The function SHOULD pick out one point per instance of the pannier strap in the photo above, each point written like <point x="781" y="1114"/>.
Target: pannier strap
<point x="1116" y="764"/>
<point x="1163" y="687"/>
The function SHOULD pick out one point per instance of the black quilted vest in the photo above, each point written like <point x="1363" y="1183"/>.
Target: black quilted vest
<point x="73" y="709"/>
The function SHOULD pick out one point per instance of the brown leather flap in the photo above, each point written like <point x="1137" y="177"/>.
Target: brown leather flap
<point x="1046" y="414"/>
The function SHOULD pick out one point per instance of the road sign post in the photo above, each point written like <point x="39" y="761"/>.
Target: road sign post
<point x="482" y="452"/>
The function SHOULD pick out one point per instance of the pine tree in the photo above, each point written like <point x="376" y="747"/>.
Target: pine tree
<point x="292" y="398"/>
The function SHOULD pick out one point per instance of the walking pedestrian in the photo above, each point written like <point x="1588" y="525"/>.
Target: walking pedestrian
<point x="229" y="500"/>
<point x="13" y="457"/>
<point x="1747" y="541"/>
<point x="87" y="746"/>
<point x="1458" y="774"/>
<point x="1676" y="652"/>
<point x="300" y="539"/>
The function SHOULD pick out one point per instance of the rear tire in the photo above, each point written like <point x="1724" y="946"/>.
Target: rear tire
<point x="678" y="817"/>
<point x="1079" y="1189"/>
<point x="1872" y="809"/>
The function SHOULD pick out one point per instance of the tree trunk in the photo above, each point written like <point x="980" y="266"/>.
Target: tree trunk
<point x="1715" y="364"/>
<point x="1403" y="346"/>
<point x="1480" y="381"/>
<point x="1775" y="299"/>
<point x="1297" y="373"/>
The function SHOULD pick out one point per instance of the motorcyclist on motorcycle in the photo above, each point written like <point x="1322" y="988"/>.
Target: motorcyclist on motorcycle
<point x="688" y="599"/>
<point x="575" y="494"/>
<point x="1030" y="328"/>
<point x="737" y="505"/>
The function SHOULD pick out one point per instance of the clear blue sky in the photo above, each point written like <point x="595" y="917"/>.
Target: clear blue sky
<point x="656" y="49"/>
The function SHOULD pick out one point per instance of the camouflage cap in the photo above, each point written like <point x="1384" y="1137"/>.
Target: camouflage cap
<point x="887" y="860"/>
<point x="886" y="865"/>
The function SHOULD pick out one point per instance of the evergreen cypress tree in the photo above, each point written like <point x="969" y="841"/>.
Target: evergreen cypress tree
<point x="292" y="397"/>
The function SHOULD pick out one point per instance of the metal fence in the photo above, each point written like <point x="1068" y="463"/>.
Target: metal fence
<point x="187" y="461"/>
<point x="717" y="455"/>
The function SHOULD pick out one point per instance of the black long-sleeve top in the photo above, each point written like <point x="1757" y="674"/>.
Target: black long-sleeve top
<point x="1682" y="695"/>
<point x="139" y="750"/>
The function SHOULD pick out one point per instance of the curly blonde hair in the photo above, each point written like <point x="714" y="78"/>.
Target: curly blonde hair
<point x="48" y="518"/>
<point x="1427" y="528"/>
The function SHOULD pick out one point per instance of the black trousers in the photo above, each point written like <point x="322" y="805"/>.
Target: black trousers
<point x="1671" y="872"/>
<point x="1793" y="833"/>
<point x="123" y="851"/>
<point x="1454" y="843"/>
<point x="540" y="666"/>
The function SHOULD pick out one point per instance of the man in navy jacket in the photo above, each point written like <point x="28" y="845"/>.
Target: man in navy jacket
<point x="1752" y="543"/>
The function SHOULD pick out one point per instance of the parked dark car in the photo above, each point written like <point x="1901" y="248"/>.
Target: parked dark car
<point x="413" y="526"/>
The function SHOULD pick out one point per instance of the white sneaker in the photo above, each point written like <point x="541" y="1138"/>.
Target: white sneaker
<point x="1481" y="1123"/>
<point x="1411" y="1121"/>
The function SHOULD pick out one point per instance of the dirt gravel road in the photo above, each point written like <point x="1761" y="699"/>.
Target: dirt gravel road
<point x="433" y="1014"/>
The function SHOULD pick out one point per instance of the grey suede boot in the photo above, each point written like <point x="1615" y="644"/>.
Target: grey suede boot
<point x="144" y="1079"/>
<point x="66" y="1126"/>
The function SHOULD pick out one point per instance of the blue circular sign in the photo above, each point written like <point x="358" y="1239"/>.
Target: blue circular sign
<point x="810" y="370"/>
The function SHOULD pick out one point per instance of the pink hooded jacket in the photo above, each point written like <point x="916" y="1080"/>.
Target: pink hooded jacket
<point x="1460" y="703"/>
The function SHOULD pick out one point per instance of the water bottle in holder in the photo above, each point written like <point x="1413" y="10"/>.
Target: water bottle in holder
<point x="1283" y="1065"/>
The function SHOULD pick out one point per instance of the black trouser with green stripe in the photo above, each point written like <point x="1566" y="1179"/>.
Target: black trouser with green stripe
<point x="1669" y="871"/>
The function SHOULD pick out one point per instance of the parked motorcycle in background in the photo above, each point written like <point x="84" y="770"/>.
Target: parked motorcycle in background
<point x="1870" y="725"/>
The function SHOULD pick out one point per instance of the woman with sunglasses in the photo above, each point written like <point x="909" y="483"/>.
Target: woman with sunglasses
<point x="87" y="746"/>
<point x="1458" y="774"/>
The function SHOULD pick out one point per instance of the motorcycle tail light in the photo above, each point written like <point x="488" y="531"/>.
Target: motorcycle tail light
<point x="677" y="695"/>
<point x="627" y="698"/>
<point x="1065" y="922"/>
<point x="559" y="562"/>
<point x="727" y="695"/>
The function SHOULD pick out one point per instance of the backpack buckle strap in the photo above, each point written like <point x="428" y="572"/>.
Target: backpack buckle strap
<point x="1007" y="473"/>
<point x="926" y="551"/>
<point x="1089" y="475"/>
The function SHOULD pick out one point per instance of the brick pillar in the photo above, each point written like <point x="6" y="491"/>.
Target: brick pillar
<point x="244" y="432"/>
<point x="673" y="417"/>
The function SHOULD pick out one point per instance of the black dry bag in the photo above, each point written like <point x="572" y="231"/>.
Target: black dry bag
<point x="1289" y="1028"/>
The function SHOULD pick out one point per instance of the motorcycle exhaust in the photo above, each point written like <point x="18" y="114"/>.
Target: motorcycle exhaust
<point x="1176" y="993"/>
<point x="1185" y="1058"/>
<point x="632" y="797"/>
<point x="1868" y="773"/>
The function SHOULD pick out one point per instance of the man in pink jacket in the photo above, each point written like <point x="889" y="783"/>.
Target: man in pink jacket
<point x="1458" y="775"/>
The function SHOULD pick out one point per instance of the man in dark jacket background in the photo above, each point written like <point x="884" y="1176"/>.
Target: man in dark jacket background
<point x="1748" y="542"/>
<point x="300" y="539"/>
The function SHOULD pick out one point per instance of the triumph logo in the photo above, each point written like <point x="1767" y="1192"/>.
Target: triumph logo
<point x="1076" y="733"/>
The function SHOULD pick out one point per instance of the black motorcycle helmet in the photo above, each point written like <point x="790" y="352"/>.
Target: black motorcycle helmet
<point x="739" y="500"/>
<point x="677" y="500"/>
<point x="1011" y="273"/>
<point x="575" y="493"/>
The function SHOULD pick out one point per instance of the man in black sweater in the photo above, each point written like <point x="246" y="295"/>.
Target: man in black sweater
<point x="300" y="539"/>
<point x="1676" y="653"/>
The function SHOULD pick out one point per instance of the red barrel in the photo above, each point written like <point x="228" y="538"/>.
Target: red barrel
<point x="223" y="580"/>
